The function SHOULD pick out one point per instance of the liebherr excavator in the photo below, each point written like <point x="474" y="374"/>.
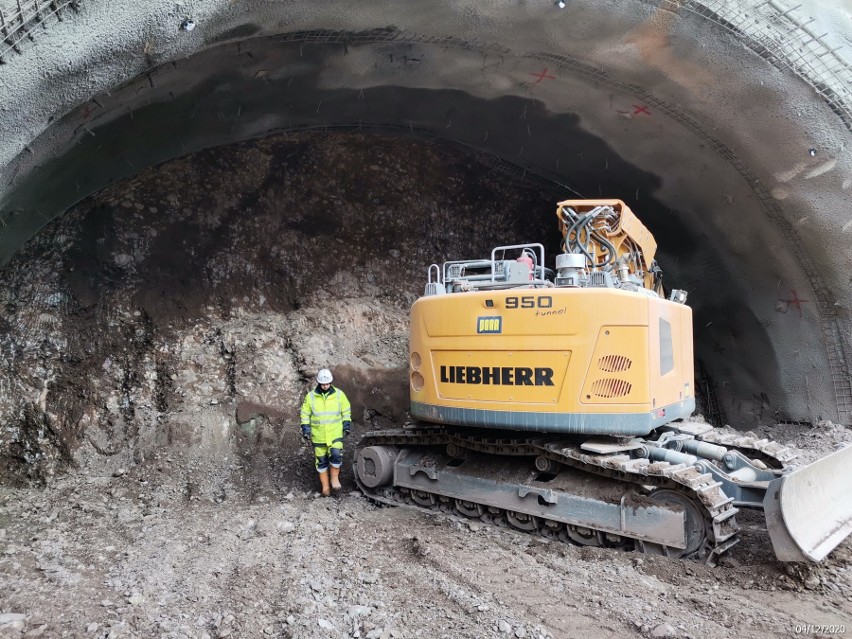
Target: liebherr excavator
<point x="558" y="402"/>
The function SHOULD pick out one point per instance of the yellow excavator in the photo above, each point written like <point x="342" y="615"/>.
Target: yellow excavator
<point x="557" y="402"/>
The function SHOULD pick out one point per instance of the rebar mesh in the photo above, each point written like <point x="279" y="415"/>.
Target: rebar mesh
<point x="22" y="21"/>
<point x="783" y="36"/>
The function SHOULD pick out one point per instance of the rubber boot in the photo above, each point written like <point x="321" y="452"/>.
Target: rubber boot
<point x="326" y="490"/>
<point x="335" y="481"/>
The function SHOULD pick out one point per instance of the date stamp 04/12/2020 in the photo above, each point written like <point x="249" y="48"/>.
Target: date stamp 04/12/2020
<point x="820" y="629"/>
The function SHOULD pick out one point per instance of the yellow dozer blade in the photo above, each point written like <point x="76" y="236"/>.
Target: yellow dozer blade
<point x="809" y="511"/>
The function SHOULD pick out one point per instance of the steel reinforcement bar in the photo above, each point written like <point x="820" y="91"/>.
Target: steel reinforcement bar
<point x="22" y="22"/>
<point x="783" y="36"/>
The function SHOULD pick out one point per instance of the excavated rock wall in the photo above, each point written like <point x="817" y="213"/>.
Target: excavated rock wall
<point x="708" y="116"/>
<point x="190" y="305"/>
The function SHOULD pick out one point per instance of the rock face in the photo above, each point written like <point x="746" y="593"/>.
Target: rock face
<point x="191" y="305"/>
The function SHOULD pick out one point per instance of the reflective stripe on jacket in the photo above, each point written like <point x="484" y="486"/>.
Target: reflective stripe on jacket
<point x="326" y="414"/>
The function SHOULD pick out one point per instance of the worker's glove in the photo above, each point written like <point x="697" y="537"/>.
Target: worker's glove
<point x="306" y="432"/>
<point x="347" y="427"/>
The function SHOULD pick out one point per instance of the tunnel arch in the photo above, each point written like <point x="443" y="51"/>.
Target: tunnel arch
<point x="719" y="165"/>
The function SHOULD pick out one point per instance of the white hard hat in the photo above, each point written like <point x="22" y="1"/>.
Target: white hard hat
<point x="324" y="376"/>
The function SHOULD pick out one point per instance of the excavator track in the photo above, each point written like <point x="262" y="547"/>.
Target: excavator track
<point x="680" y="484"/>
<point x="771" y="453"/>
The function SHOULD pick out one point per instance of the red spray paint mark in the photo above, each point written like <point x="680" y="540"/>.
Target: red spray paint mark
<point x="542" y="76"/>
<point x="795" y="301"/>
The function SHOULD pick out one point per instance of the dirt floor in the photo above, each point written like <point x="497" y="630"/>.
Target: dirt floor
<point x="138" y="553"/>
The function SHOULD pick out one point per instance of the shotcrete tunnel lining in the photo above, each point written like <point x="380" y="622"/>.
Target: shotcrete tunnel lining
<point x="312" y="45"/>
<point x="829" y="326"/>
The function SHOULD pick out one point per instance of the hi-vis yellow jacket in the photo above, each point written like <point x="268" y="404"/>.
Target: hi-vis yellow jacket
<point x="326" y="414"/>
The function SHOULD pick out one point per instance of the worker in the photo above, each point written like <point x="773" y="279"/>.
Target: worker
<point x="326" y="419"/>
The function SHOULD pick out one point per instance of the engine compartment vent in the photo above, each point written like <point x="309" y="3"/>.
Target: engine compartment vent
<point x="614" y="363"/>
<point x="611" y="387"/>
<point x="600" y="279"/>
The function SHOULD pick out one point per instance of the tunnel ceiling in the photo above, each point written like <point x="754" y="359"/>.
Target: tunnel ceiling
<point x="737" y="164"/>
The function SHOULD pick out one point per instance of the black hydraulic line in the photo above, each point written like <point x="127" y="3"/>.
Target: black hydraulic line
<point x="546" y="273"/>
<point x="583" y="246"/>
<point x="575" y="229"/>
<point x="610" y="248"/>
<point x="584" y="226"/>
<point x="657" y="278"/>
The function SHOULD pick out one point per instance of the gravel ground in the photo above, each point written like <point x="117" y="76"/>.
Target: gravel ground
<point x="139" y="553"/>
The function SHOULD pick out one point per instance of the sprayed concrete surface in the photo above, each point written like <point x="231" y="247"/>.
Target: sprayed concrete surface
<point x="645" y="101"/>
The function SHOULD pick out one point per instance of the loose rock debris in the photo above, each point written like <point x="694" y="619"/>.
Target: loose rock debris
<point x="138" y="556"/>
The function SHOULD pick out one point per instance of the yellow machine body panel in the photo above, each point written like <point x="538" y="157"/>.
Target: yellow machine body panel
<point x="567" y="360"/>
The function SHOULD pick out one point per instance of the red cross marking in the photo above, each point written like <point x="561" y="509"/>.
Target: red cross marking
<point x="639" y="109"/>
<point x="542" y="76"/>
<point x="795" y="301"/>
